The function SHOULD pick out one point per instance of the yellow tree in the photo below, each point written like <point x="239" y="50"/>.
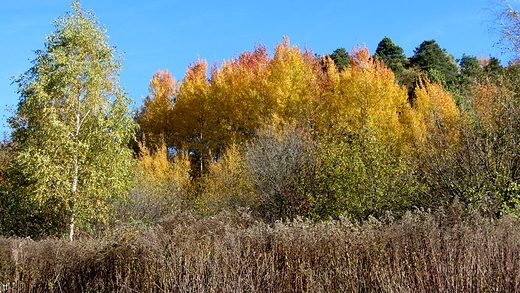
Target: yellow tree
<point x="155" y="115"/>
<point x="192" y="116"/>
<point x="290" y="85"/>
<point x="238" y="96"/>
<point x="436" y="112"/>
<point x="363" y="97"/>
<point x="363" y="167"/>
<point x="161" y="185"/>
<point x="486" y="104"/>
<point x="212" y="113"/>
<point x="228" y="185"/>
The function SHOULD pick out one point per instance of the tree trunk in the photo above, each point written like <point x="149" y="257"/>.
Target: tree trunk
<point x="73" y="192"/>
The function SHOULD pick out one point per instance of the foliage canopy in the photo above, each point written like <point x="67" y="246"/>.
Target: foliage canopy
<point x="72" y="128"/>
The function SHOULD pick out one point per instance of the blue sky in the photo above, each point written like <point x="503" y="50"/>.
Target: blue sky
<point x="171" y="34"/>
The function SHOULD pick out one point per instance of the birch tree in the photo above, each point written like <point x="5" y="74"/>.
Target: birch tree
<point x="73" y="125"/>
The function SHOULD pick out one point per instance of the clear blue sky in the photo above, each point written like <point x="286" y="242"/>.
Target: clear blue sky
<point x="171" y="34"/>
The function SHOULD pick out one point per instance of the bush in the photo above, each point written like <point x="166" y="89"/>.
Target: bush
<point x="361" y="176"/>
<point x="282" y="165"/>
<point x="161" y="186"/>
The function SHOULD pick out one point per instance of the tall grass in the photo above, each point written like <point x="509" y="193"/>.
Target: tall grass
<point x="234" y="253"/>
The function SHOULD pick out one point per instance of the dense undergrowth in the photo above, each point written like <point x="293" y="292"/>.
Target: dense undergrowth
<point x="421" y="252"/>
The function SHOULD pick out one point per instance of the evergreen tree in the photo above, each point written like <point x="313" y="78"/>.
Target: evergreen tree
<point x="470" y="72"/>
<point x="391" y="55"/>
<point x="493" y="66"/>
<point x="430" y="58"/>
<point x="470" y="66"/>
<point x="72" y="128"/>
<point x="341" y="58"/>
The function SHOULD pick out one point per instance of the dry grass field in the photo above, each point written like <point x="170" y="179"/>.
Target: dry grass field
<point x="421" y="252"/>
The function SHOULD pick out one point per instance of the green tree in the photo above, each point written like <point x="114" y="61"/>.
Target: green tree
<point x="362" y="175"/>
<point x="470" y="66"/>
<point x="72" y="127"/>
<point x="471" y="71"/>
<point x="341" y="58"/>
<point x="392" y="56"/>
<point x="430" y="58"/>
<point x="493" y="67"/>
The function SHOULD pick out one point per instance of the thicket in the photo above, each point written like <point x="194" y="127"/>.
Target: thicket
<point x="292" y="135"/>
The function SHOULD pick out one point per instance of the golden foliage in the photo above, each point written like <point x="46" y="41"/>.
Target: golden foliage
<point x="435" y="110"/>
<point x="156" y="167"/>
<point x="363" y="97"/>
<point x="155" y="115"/>
<point x="294" y="87"/>
<point x="162" y="185"/>
<point x="291" y="83"/>
<point x="228" y="185"/>
<point x="486" y="104"/>
<point x="237" y="96"/>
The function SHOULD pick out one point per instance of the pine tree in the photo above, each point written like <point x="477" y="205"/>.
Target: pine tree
<point x="341" y="58"/>
<point x="430" y="58"/>
<point x="72" y="127"/>
<point x="392" y="55"/>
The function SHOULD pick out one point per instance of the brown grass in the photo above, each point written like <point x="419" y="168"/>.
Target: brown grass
<point x="234" y="253"/>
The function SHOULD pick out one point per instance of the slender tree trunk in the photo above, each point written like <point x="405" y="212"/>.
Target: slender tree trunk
<point x="73" y="192"/>
<point x="75" y="180"/>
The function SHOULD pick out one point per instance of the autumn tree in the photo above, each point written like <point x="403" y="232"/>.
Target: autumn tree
<point x="228" y="186"/>
<point x="437" y="109"/>
<point x="72" y="128"/>
<point x="193" y="119"/>
<point x="363" y="98"/>
<point x="229" y="105"/>
<point x="161" y="185"/>
<point x="213" y="112"/>
<point x="363" y="170"/>
<point x="155" y="116"/>
<point x="239" y="97"/>
<point x="291" y="85"/>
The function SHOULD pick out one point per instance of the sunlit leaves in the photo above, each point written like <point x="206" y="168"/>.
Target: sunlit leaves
<point x="292" y="81"/>
<point x="436" y="109"/>
<point x="161" y="185"/>
<point x="365" y="123"/>
<point x="228" y="185"/>
<point x="72" y="126"/>
<point x="363" y="97"/>
<point x="155" y="116"/>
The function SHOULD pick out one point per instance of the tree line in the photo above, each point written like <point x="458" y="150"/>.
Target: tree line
<point x="280" y="135"/>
